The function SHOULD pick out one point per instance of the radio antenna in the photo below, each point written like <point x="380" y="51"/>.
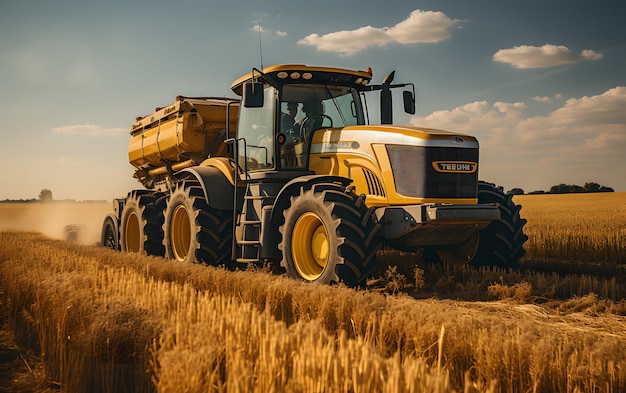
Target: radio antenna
<point x="260" y="46"/>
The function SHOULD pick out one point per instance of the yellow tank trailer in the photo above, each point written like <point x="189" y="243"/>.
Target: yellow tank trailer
<point x="297" y="175"/>
<point x="179" y="136"/>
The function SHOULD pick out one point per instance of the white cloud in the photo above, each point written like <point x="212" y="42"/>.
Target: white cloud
<point x="472" y="116"/>
<point x="542" y="99"/>
<point x="526" y="56"/>
<point x="419" y="27"/>
<point x="603" y="109"/>
<point x="583" y="140"/>
<point x="260" y="29"/>
<point x="90" y="130"/>
<point x="546" y="99"/>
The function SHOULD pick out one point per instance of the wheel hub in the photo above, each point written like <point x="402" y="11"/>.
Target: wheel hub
<point x="131" y="233"/>
<point x="310" y="246"/>
<point x="319" y="246"/>
<point x="180" y="233"/>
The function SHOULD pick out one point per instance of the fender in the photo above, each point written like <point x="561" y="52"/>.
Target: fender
<point x="218" y="190"/>
<point x="282" y="201"/>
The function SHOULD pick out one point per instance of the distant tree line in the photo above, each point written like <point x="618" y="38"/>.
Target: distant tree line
<point x="45" y="196"/>
<point x="566" y="189"/>
<point x="32" y="200"/>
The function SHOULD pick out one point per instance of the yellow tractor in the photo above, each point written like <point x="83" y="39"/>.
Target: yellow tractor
<point x="294" y="174"/>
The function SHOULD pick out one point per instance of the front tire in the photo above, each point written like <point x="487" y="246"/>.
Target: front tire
<point x="329" y="236"/>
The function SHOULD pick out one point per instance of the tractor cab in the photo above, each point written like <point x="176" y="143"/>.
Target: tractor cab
<point x="284" y="104"/>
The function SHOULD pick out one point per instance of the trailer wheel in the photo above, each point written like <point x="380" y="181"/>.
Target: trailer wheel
<point x="329" y="236"/>
<point x="109" y="235"/>
<point x="194" y="231"/>
<point x="502" y="242"/>
<point x="141" y="224"/>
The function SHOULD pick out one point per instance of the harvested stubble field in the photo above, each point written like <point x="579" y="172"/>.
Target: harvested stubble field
<point x="105" y="321"/>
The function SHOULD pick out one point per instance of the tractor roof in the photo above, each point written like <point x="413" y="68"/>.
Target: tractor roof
<point x="300" y="73"/>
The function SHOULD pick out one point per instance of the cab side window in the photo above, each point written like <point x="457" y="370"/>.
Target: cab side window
<point x="256" y="126"/>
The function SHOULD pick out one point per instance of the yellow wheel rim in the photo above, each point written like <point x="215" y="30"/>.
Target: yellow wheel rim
<point x="131" y="233"/>
<point x="309" y="246"/>
<point x="180" y="233"/>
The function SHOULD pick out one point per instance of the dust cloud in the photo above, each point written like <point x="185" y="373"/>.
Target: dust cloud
<point x="51" y="219"/>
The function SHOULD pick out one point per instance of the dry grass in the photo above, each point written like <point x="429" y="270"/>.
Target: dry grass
<point x="107" y="323"/>
<point x="201" y="328"/>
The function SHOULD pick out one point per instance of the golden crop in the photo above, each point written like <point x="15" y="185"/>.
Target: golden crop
<point x="576" y="227"/>
<point x="102" y="318"/>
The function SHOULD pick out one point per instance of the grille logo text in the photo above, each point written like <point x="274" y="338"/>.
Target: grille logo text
<point x="455" y="166"/>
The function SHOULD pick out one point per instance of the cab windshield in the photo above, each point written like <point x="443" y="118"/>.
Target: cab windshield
<point x="306" y="108"/>
<point x="339" y="106"/>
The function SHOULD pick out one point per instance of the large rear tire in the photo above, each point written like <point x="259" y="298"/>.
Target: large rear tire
<point x="329" y="236"/>
<point x="193" y="231"/>
<point x="502" y="242"/>
<point x="141" y="224"/>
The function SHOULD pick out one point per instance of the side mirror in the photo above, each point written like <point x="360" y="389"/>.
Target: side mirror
<point x="409" y="102"/>
<point x="253" y="95"/>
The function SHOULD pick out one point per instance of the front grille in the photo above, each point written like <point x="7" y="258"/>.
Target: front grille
<point x="415" y="176"/>
<point x="374" y="185"/>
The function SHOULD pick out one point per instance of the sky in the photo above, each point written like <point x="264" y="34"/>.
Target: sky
<point x="541" y="84"/>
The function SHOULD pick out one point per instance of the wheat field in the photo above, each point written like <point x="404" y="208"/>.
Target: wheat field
<point x="587" y="228"/>
<point x="115" y="322"/>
